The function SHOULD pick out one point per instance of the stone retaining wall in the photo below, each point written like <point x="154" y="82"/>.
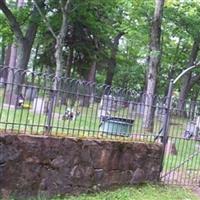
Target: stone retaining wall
<point x="30" y="165"/>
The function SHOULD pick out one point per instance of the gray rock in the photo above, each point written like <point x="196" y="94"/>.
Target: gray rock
<point x="138" y="176"/>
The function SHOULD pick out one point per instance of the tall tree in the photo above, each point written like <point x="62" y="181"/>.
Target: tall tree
<point x="112" y="60"/>
<point x="24" y="42"/>
<point x="60" y="40"/>
<point x="13" y="53"/>
<point x="64" y="6"/>
<point x="154" y="63"/>
<point x="189" y="80"/>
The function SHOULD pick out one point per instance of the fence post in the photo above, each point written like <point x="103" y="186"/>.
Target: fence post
<point x="166" y="122"/>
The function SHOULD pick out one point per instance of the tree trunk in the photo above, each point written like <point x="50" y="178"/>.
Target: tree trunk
<point x="92" y="73"/>
<point x="88" y="89"/>
<point x="7" y="56"/>
<point x="60" y="41"/>
<point x="35" y="61"/>
<point x="2" y="54"/>
<point x="110" y="71"/>
<point x="193" y="104"/>
<point x="69" y="61"/>
<point x="112" y="61"/>
<point x="187" y="79"/>
<point x="6" y="63"/>
<point x="16" y="77"/>
<point x="59" y="62"/>
<point x="2" y="59"/>
<point x="13" y="55"/>
<point x="11" y="69"/>
<point x="154" y="63"/>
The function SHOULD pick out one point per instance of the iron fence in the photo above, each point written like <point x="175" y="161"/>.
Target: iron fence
<point x="30" y="104"/>
<point x="42" y="104"/>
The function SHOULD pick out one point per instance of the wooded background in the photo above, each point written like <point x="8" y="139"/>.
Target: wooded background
<point x="138" y="44"/>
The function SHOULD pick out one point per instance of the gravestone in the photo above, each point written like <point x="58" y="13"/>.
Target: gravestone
<point x="136" y="108"/>
<point x="119" y="102"/>
<point x="198" y="122"/>
<point x="38" y="105"/>
<point x="30" y="93"/>
<point x="160" y="109"/>
<point x="140" y="108"/>
<point x="2" y="82"/>
<point x="190" y="130"/>
<point x="131" y="108"/>
<point x="108" y="103"/>
<point x="197" y="134"/>
<point x="171" y="148"/>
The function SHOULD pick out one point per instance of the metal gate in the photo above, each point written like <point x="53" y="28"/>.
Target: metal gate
<point x="181" y="165"/>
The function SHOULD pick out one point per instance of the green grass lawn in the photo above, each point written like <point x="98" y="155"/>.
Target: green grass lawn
<point x="140" y="193"/>
<point x="146" y="192"/>
<point x="88" y="121"/>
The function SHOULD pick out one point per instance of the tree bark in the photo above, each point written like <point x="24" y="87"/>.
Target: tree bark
<point x="60" y="43"/>
<point x="88" y="89"/>
<point x="2" y="53"/>
<point x="92" y="73"/>
<point x="188" y="80"/>
<point x="6" y="63"/>
<point x="13" y="54"/>
<point x="7" y="56"/>
<point x="193" y="104"/>
<point x="153" y="66"/>
<point x="2" y="71"/>
<point x="69" y="61"/>
<point x="112" y="61"/>
<point x="35" y="61"/>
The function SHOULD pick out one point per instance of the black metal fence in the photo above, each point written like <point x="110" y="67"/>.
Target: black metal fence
<point x="30" y="104"/>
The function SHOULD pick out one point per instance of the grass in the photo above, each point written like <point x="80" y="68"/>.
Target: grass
<point x="139" y="193"/>
<point x="145" y="192"/>
<point x="87" y="121"/>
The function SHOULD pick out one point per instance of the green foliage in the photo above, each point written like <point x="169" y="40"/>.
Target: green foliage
<point x="93" y="24"/>
<point x="5" y="33"/>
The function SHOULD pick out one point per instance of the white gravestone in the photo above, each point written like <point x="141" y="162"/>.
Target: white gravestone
<point x="38" y="105"/>
<point x="108" y="103"/>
